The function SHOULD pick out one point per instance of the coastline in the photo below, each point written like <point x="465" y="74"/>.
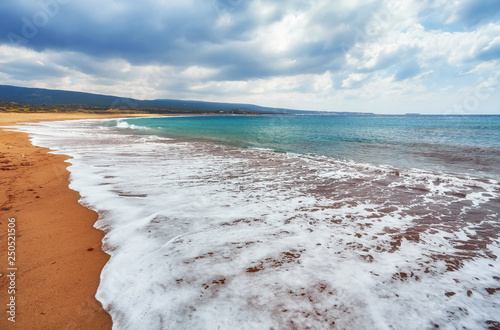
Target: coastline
<point x="58" y="251"/>
<point x="228" y="236"/>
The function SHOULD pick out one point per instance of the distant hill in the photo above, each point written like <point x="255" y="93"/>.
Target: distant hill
<point x="39" y="96"/>
<point x="50" y="97"/>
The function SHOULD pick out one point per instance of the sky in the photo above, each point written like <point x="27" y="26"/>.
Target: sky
<point x="382" y="56"/>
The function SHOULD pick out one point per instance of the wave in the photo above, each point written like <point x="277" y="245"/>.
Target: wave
<point x="203" y="235"/>
<point x="124" y="124"/>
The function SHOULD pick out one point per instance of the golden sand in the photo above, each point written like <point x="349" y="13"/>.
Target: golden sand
<point x="58" y="252"/>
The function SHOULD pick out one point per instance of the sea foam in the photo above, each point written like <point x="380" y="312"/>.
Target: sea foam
<point x="208" y="236"/>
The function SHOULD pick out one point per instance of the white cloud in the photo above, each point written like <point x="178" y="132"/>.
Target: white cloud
<point x="378" y="55"/>
<point x="353" y="80"/>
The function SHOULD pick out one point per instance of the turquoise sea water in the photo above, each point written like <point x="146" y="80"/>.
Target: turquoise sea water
<point x="463" y="145"/>
<point x="381" y="222"/>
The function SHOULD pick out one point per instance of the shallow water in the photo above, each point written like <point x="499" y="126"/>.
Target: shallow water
<point x="461" y="145"/>
<point x="205" y="234"/>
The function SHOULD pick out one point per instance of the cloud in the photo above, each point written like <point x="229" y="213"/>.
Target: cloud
<point x="296" y="53"/>
<point x="491" y="51"/>
<point x="457" y="15"/>
<point x="474" y="12"/>
<point x="23" y="70"/>
<point x="354" y="80"/>
<point x="408" y="70"/>
<point x="230" y="35"/>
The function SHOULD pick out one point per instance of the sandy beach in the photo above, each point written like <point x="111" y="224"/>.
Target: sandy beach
<point x="58" y="252"/>
<point x="208" y="234"/>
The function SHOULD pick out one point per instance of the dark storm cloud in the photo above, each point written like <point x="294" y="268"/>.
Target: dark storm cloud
<point x="251" y="50"/>
<point x="214" y="34"/>
<point x="133" y="30"/>
<point x="23" y="70"/>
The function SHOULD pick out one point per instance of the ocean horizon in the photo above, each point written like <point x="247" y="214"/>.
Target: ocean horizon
<point x="224" y="222"/>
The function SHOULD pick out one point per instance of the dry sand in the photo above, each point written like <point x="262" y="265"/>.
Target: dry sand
<point x="58" y="252"/>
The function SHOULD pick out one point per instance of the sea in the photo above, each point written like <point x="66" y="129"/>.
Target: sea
<point x="291" y="221"/>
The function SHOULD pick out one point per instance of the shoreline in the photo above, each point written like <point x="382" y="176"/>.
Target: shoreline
<point x="211" y="229"/>
<point x="58" y="251"/>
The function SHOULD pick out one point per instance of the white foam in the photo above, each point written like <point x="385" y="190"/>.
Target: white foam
<point x="203" y="236"/>
<point x="124" y="124"/>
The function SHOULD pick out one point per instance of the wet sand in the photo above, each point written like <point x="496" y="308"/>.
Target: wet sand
<point x="58" y="252"/>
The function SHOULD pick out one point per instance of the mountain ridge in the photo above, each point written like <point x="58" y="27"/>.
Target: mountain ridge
<point x="55" y="97"/>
